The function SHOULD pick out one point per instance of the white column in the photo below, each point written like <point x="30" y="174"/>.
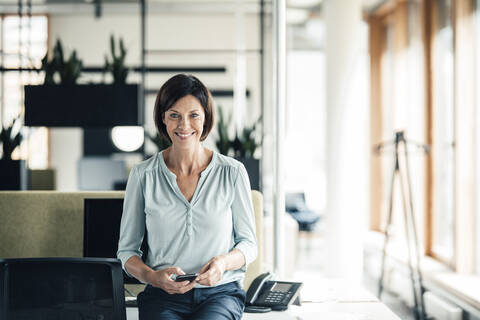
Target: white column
<point x="279" y="91"/>
<point x="347" y="140"/>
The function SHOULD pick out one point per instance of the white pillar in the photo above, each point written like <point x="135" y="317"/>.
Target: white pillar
<point x="347" y="140"/>
<point x="279" y="84"/>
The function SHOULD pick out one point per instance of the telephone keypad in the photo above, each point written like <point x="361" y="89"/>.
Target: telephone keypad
<point x="278" y="297"/>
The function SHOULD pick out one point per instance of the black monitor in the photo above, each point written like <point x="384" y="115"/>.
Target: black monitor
<point x="101" y="230"/>
<point x="61" y="288"/>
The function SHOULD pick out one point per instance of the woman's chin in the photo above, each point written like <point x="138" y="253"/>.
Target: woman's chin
<point x="186" y="144"/>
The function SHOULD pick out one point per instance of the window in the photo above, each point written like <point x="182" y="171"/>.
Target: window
<point x="24" y="43"/>
<point x="443" y="117"/>
<point x="399" y="100"/>
<point x="477" y="132"/>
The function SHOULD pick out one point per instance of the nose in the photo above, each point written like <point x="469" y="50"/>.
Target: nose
<point x="184" y="122"/>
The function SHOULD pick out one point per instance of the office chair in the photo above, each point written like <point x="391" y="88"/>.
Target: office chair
<point x="61" y="288"/>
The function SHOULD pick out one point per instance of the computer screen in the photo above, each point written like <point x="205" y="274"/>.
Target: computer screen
<point x="61" y="288"/>
<point x="101" y="230"/>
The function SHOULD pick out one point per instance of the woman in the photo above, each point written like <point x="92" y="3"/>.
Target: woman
<point x="196" y="207"/>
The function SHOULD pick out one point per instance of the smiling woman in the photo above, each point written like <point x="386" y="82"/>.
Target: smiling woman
<point x="184" y="93"/>
<point x="185" y="120"/>
<point x="196" y="205"/>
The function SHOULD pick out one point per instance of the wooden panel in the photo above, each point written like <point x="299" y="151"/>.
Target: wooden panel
<point x="401" y="28"/>
<point x="427" y="41"/>
<point x="376" y="41"/>
<point x="392" y="13"/>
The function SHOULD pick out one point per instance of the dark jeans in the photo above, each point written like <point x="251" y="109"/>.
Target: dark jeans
<point x="222" y="302"/>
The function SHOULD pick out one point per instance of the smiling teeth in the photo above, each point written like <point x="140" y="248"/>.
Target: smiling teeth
<point x="184" y="135"/>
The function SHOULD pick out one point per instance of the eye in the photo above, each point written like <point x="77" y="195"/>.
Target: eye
<point x="195" y="115"/>
<point x="173" y="115"/>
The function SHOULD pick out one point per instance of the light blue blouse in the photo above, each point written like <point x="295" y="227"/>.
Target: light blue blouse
<point x="186" y="234"/>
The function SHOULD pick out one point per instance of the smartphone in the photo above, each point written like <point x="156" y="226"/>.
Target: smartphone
<point x="187" y="277"/>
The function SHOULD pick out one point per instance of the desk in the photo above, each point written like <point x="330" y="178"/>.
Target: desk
<point x="330" y="311"/>
<point x="326" y="299"/>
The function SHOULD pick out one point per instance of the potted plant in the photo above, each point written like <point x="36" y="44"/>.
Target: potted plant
<point x="117" y="65"/>
<point x="243" y="147"/>
<point x="223" y="143"/>
<point x="64" y="103"/>
<point x="13" y="172"/>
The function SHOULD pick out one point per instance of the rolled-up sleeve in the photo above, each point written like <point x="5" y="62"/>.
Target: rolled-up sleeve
<point x="244" y="217"/>
<point x="132" y="227"/>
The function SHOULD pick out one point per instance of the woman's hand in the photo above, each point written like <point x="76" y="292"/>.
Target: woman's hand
<point x="162" y="279"/>
<point x="212" y="271"/>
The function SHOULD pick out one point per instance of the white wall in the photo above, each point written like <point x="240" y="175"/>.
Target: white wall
<point x="65" y="151"/>
<point x="167" y="30"/>
<point x="347" y="139"/>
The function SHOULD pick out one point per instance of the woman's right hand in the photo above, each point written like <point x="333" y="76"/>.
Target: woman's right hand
<point x="162" y="279"/>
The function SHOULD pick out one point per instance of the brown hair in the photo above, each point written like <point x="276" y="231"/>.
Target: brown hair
<point x="176" y="88"/>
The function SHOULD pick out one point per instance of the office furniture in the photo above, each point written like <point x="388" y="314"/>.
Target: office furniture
<point x="100" y="173"/>
<point x="61" y="288"/>
<point x="14" y="174"/>
<point x="101" y="230"/>
<point x="50" y="224"/>
<point x="42" y="179"/>
<point x="323" y="298"/>
<point x="296" y="206"/>
<point x="83" y="105"/>
<point x="43" y="223"/>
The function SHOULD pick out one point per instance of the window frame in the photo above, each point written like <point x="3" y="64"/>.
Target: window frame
<point x="464" y="233"/>
<point x="25" y="146"/>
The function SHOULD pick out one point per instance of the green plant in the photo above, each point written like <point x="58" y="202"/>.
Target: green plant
<point x="69" y="70"/>
<point x="50" y="67"/>
<point x="244" y="146"/>
<point x="10" y="140"/>
<point x="117" y="65"/>
<point x="223" y="143"/>
<point x="159" y="140"/>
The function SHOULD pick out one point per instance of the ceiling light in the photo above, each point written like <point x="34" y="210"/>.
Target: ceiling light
<point x="128" y="139"/>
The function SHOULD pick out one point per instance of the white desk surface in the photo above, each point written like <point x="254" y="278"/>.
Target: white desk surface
<point x="325" y="299"/>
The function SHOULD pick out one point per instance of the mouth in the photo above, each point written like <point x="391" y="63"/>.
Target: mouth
<point x="184" y="135"/>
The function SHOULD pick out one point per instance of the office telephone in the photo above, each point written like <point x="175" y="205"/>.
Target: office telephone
<point x="265" y="295"/>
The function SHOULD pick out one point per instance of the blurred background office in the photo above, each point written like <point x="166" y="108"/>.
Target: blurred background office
<point x="356" y="72"/>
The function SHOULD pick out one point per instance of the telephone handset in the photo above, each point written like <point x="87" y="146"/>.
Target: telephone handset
<point x="265" y="295"/>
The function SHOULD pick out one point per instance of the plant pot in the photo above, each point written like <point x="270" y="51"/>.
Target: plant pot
<point x="253" y="170"/>
<point x="14" y="174"/>
<point x="90" y="105"/>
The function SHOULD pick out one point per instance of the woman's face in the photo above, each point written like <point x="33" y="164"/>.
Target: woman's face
<point x="184" y="122"/>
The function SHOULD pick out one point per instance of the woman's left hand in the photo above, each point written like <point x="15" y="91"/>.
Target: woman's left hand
<point x="212" y="271"/>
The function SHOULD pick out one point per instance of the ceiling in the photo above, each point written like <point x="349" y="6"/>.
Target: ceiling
<point x="290" y="3"/>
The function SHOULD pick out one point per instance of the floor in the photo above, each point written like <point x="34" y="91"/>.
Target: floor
<point x="309" y="257"/>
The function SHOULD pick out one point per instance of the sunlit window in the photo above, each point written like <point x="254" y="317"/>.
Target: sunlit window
<point x="24" y="43"/>
<point x="443" y="151"/>
<point x="477" y="153"/>
<point x="403" y="110"/>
